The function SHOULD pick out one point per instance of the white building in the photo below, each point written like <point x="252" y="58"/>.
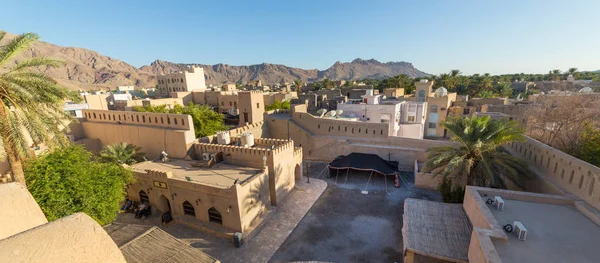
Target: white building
<point x="125" y="88"/>
<point x="190" y="80"/>
<point x="405" y="118"/>
<point x="75" y="108"/>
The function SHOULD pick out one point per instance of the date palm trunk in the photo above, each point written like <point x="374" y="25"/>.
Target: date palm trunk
<point x="16" y="166"/>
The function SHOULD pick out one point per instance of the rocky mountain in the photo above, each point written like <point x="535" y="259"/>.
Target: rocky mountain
<point x="87" y="70"/>
<point x="275" y="73"/>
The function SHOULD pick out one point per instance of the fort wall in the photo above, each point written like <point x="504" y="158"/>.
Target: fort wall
<point x="567" y="172"/>
<point x="153" y="132"/>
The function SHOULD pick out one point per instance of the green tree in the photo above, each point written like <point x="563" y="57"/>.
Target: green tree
<point x="479" y="159"/>
<point x="574" y="72"/>
<point x="328" y="84"/>
<point x="69" y="180"/>
<point x="122" y="153"/>
<point x="31" y="103"/>
<point x="206" y="121"/>
<point x="590" y="147"/>
<point x="503" y="89"/>
<point x="278" y="105"/>
<point x="298" y="84"/>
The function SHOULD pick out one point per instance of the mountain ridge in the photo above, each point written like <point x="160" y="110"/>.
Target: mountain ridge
<point x="88" y="70"/>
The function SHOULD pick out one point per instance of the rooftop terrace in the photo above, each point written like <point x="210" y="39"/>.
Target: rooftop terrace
<point x="555" y="233"/>
<point x="220" y="175"/>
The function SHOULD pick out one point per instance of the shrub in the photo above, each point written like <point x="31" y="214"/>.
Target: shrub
<point x="70" y="180"/>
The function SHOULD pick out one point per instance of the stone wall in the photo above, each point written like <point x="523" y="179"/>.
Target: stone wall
<point x="567" y="172"/>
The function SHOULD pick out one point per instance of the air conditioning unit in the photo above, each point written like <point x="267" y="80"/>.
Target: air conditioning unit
<point x="499" y="203"/>
<point x="206" y="156"/>
<point x="520" y="230"/>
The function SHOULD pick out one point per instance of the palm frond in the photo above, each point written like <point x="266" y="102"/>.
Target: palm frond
<point x="36" y="62"/>
<point x="15" y="46"/>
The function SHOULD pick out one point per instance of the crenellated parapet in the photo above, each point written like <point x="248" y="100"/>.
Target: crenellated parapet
<point x="250" y="127"/>
<point x="172" y="121"/>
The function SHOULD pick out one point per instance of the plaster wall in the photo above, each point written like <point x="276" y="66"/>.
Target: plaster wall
<point x="154" y="132"/>
<point x="569" y="173"/>
<point x="251" y="106"/>
<point x="74" y="238"/>
<point x="238" y="204"/>
<point x="282" y="162"/>
<point x="97" y="102"/>
<point x="20" y="212"/>
<point x="227" y="102"/>
<point x="333" y="127"/>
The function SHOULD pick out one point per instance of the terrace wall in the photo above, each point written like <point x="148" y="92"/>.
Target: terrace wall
<point x="153" y="132"/>
<point x="563" y="170"/>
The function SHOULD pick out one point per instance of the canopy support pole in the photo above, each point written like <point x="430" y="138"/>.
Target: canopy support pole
<point x="337" y="173"/>
<point x="347" y="170"/>
<point x="385" y="178"/>
<point x="368" y="180"/>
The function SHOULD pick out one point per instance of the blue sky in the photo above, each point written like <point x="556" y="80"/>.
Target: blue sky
<point x="531" y="36"/>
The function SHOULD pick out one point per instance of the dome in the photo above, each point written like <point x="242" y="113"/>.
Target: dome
<point x="586" y="90"/>
<point x="441" y="92"/>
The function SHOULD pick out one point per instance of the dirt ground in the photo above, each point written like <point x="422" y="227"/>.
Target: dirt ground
<point x="347" y="226"/>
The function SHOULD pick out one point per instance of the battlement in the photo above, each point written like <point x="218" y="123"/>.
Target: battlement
<point x="270" y="141"/>
<point x="229" y="149"/>
<point x="278" y="111"/>
<point x="297" y="151"/>
<point x="172" y="121"/>
<point x="238" y="131"/>
<point x="286" y="145"/>
<point x="159" y="173"/>
<point x="254" y="92"/>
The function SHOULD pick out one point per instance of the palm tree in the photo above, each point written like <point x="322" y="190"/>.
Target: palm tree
<point x="574" y="72"/>
<point x="31" y="104"/>
<point x="328" y="84"/>
<point x="122" y="153"/>
<point x="479" y="159"/>
<point x="555" y="74"/>
<point x="298" y="84"/>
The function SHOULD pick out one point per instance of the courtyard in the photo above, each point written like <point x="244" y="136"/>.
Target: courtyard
<point x="347" y="226"/>
<point x="343" y="225"/>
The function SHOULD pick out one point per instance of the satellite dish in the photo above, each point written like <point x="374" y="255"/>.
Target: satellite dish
<point x="330" y="114"/>
<point x="322" y="112"/>
<point x="339" y="112"/>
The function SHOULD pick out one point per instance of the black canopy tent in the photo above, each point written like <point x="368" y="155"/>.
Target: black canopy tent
<point x="365" y="162"/>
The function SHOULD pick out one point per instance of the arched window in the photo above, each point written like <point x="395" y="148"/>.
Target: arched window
<point x="421" y="94"/>
<point x="144" y="197"/>
<point x="433" y="109"/>
<point x="214" y="216"/>
<point x="188" y="209"/>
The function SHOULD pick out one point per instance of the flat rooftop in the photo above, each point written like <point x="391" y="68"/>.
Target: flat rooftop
<point x="555" y="233"/>
<point x="221" y="175"/>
